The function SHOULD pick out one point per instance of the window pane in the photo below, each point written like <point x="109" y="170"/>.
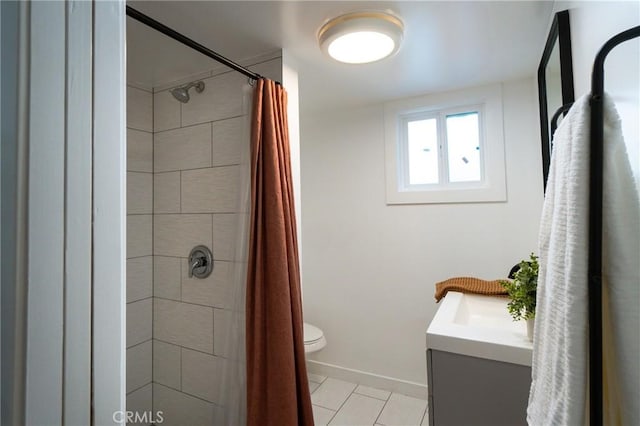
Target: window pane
<point x="422" y="147"/>
<point x="463" y="147"/>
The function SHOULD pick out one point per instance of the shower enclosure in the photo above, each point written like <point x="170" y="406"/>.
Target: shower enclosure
<point x="187" y="136"/>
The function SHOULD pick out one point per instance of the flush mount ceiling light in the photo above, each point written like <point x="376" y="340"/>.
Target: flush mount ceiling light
<point x="361" y="37"/>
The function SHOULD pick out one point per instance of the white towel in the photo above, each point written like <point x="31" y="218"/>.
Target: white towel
<point x="558" y="393"/>
<point x="621" y="278"/>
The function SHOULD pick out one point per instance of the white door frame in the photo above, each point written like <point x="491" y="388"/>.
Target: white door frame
<point x="76" y="220"/>
<point x="109" y="211"/>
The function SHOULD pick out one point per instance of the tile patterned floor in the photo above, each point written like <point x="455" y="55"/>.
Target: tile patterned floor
<point x="340" y="403"/>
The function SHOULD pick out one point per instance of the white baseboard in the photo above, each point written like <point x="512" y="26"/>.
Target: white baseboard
<point x="417" y="390"/>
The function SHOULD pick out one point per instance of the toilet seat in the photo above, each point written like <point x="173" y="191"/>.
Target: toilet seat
<point x="314" y="339"/>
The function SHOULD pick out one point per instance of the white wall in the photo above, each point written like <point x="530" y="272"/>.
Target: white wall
<point x="290" y="83"/>
<point x="592" y="24"/>
<point x="370" y="269"/>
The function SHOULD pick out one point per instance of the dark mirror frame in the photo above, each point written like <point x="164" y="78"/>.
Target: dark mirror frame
<point x="560" y="33"/>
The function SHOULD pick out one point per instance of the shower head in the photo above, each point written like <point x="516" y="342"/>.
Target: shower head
<point x="182" y="93"/>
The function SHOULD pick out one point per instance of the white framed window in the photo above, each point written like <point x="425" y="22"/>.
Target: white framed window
<point x="446" y="148"/>
<point x="441" y="149"/>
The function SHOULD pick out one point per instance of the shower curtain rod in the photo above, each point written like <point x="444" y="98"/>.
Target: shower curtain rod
<point x="141" y="17"/>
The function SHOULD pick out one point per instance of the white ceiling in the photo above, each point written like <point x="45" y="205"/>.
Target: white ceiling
<point x="447" y="44"/>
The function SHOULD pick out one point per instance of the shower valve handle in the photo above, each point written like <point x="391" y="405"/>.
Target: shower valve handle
<point x="200" y="262"/>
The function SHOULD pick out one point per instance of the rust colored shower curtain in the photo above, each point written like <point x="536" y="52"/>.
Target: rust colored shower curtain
<point x="277" y="387"/>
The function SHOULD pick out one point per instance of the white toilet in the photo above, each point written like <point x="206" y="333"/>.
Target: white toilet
<point x="313" y="338"/>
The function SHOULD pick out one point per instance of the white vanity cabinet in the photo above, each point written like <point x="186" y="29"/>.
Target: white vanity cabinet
<point x="478" y="363"/>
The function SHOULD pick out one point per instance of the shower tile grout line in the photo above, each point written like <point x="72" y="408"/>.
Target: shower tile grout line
<point x="166" y="172"/>
<point x="139" y="257"/>
<point x="195" y="168"/>
<point x="211" y="130"/>
<point x="151" y="132"/>
<point x="140" y="300"/>
<point x="190" y="213"/>
<point x="180" y="191"/>
<point x="180" y="355"/>
<point x="140" y="172"/>
<point x="137" y="87"/>
<point x="140" y="343"/>
<point x="187" y="126"/>
<point x="153" y="220"/>
<point x="190" y="349"/>
<point x="139" y="130"/>
<point x="191" y="303"/>
<point x="213" y="328"/>
<point x="182" y="257"/>
<point x="138" y="388"/>
<point x="189" y="394"/>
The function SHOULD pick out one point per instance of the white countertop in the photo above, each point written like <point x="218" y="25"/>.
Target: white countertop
<point x="479" y="326"/>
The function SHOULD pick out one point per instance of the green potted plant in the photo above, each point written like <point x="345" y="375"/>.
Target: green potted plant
<point x="522" y="292"/>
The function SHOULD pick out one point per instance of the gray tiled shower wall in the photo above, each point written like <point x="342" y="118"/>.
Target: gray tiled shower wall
<point x="139" y="249"/>
<point x="182" y="191"/>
